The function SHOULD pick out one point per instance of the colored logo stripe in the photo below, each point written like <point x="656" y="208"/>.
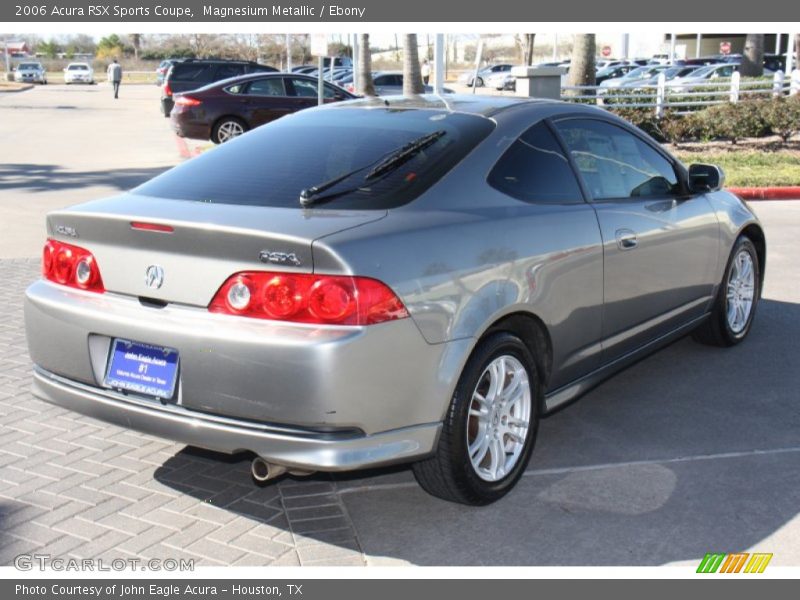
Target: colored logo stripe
<point x="733" y="563"/>
<point x="710" y="563"/>
<point x="758" y="563"/>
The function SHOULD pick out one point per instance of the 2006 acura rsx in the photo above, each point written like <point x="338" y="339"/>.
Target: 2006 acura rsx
<point x="378" y="281"/>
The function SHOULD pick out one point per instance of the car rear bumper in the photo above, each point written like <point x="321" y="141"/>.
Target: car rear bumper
<point x="285" y="446"/>
<point x="184" y="127"/>
<point x="325" y="379"/>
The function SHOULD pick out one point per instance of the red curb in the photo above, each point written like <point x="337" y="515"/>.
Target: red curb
<point x="767" y="193"/>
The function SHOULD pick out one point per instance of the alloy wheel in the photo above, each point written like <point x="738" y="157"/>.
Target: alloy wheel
<point x="498" y="418"/>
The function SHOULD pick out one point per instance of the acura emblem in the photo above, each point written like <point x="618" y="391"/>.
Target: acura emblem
<point x="154" y="277"/>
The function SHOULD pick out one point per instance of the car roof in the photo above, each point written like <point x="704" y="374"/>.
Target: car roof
<point x="485" y="106"/>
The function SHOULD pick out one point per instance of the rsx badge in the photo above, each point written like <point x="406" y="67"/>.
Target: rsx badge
<point x="279" y="258"/>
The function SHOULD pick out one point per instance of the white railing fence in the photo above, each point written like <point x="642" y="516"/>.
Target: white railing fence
<point x="682" y="98"/>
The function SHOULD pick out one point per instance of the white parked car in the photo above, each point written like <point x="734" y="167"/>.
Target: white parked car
<point x="501" y="81"/>
<point x="78" y="73"/>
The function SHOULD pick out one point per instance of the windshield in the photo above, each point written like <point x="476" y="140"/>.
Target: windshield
<point x="273" y="164"/>
<point x="636" y="73"/>
<point x="78" y="67"/>
<point x="29" y="66"/>
<point x="703" y="72"/>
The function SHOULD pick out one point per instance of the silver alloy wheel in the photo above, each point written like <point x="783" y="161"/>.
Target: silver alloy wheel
<point x="229" y="130"/>
<point x="741" y="291"/>
<point x="499" y="417"/>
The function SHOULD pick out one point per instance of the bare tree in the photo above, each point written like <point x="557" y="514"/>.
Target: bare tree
<point x="136" y="42"/>
<point x="581" y="68"/>
<point x="365" y="84"/>
<point x="412" y="73"/>
<point x="753" y="55"/>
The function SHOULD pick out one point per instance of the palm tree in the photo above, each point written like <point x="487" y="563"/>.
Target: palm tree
<point x="581" y="68"/>
<point x="753" y="55"/>
<point x="365" y="84"/>
<point x="412" y="74"/>
<point x="528" y="40"/>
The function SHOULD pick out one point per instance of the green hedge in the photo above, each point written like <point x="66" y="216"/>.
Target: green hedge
<point x="752" y="117"/>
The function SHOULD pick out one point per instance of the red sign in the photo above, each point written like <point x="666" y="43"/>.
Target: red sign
<point x="725" y="47"/>
<point x="606" y="51"/>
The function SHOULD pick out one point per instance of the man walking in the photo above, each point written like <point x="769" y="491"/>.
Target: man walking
<point x="426" y="72"/>
<point x="115" y="76"/>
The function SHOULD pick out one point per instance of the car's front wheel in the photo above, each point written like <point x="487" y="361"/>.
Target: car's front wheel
<point x="226" y="129"/>
<point x="490" y="427"/>
<point x="737" y="299"/>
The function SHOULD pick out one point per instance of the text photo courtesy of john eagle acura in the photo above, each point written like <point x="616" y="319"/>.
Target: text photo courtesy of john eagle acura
<point x="393" y="280"/>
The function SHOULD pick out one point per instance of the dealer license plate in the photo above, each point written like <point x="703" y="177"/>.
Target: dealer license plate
<point x="142" y="369"/>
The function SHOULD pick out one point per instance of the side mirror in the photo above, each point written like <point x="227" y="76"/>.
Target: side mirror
<point x="705" y="178"/>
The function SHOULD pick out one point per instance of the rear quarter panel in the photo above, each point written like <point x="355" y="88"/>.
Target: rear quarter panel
<point x="464" y="255"/>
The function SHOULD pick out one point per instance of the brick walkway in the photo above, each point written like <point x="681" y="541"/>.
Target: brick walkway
<point x="74" y="487"/>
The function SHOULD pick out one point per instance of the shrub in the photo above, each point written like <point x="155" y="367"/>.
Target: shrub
<point x="782" y="116"/>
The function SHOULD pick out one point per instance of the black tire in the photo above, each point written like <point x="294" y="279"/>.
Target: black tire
<point x="449" y="473"/>
<point x="716" y="330"/>
<point x="479" y="82"/>
<point x="215" y="131"/>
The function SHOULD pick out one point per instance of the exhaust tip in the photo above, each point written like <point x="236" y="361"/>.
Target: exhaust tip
<point x="264" y="471"/>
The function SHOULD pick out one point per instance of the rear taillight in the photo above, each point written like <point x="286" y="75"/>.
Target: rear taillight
<point x="72" y="266"/>
<point x="187" y="101"/>
<point x="303" y="298"/>
<point x="167" y="89"/>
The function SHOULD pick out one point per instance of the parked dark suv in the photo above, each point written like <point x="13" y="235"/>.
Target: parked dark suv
<point x="196" y="73"/>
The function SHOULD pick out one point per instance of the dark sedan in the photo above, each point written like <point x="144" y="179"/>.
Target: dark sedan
<point x="226" y="109"/>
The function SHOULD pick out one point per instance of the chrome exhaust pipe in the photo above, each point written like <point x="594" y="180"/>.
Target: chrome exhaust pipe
<point x="264" y="471"/>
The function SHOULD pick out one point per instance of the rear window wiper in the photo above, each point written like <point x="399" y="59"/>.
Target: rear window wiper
<point x="395" y="159"/>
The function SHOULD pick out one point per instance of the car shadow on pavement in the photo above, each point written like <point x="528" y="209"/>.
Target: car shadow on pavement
<point x="43" y="178"/>
<point x="692" y="450"/>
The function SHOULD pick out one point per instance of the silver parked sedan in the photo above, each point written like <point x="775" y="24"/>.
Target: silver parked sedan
<point x="424" y="292"/>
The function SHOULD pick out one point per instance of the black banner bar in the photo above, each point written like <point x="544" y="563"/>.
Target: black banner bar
<point x="450" y="11"/>
<point x="395" y="589"/>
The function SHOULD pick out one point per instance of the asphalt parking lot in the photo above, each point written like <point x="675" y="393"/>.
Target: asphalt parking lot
<point x="692" y="450"/>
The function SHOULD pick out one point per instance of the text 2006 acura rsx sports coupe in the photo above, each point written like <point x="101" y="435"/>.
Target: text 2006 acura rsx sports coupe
<point x="379" y="281"/>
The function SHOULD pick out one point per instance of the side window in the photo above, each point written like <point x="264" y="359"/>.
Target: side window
<point x="267" y="87"/>
<point x="227" y="71"/>
<point x="615" y="163"/>
<point x="191" y="72"/>
<point x="306" y="88"/>
<point x="534" y="169"/>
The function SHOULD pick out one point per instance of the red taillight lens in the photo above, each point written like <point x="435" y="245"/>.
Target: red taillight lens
<point x="167" y="89"/>
<point x="71" y="266"/>
<point x="303" y="298"/>
<point x="187" y="101"/>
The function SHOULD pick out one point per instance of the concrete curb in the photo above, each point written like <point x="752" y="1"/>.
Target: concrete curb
<point x="767" y="193"/>
<point x="24" y="88"/>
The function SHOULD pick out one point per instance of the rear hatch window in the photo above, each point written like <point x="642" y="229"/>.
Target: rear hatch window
<point x="271" y="165"/>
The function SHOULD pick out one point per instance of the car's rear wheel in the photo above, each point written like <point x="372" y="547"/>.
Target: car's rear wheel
<point x="737" y="298"/>
<point x="226" y="129"/>
<point x="490" y="428"/>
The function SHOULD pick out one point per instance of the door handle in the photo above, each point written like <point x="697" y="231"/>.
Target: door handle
<point x="626" y="239"/>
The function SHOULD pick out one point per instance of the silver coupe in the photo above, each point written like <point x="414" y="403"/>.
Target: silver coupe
<point x="389" y="280"/>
